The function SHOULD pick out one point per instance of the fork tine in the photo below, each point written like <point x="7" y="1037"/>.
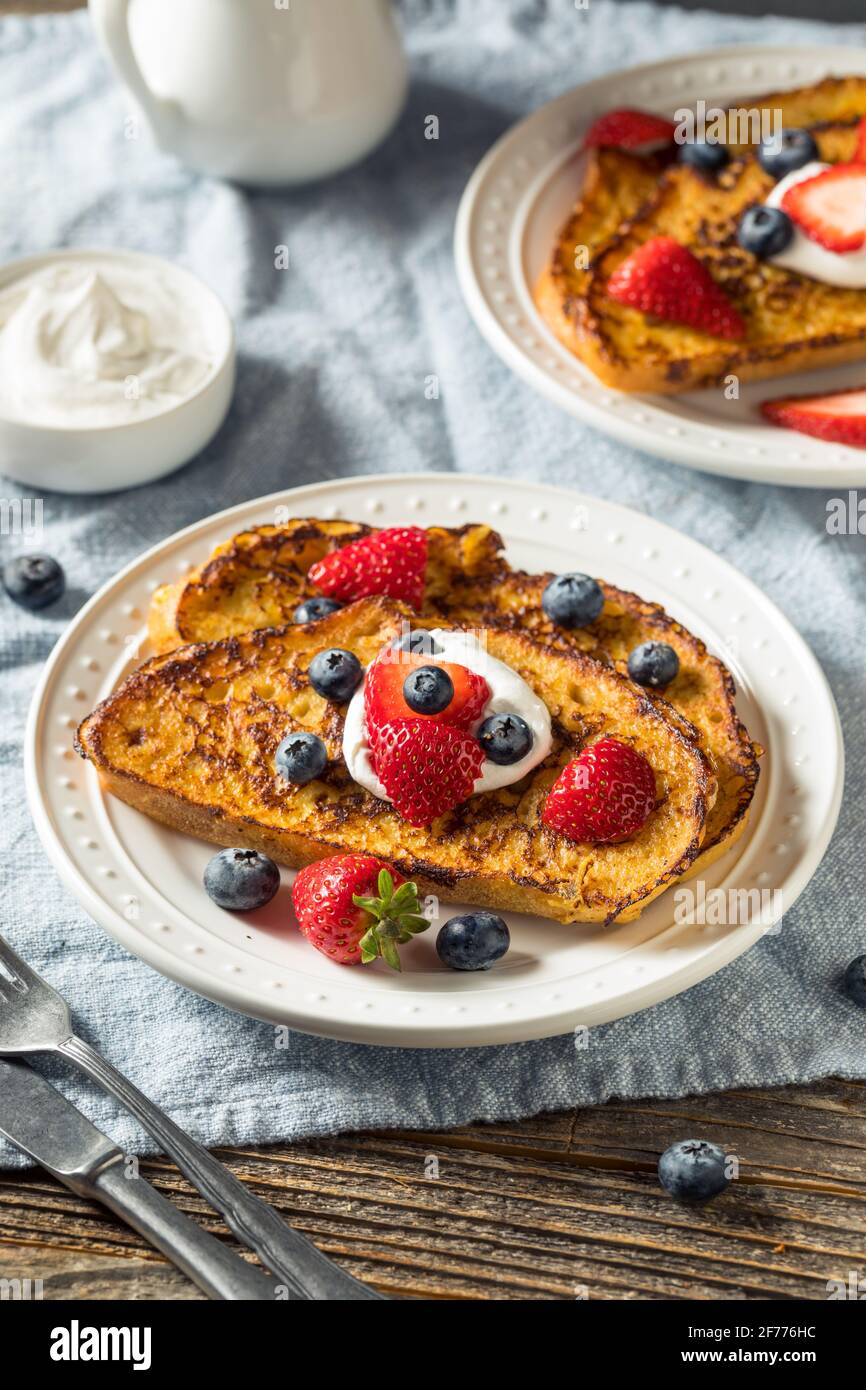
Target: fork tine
<point x="16" y="966"/>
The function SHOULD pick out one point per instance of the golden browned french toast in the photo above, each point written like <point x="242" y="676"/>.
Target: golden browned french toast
<point x="259" y="577"/>
<point x="793" y="322"/>
<point x="616" y="185"/>
<point x="627" y="199"/>
<point x="832" y="101"/>
<point x="190" y="739"/>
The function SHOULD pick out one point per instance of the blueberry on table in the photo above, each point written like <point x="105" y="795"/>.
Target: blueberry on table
<point x="694" y="1170"/>
<point x="781" y="154"/>
<point x="505" y="738"/>
<point x="418" y="641"/>
<point x="428" y="690"/>
<point x="473" y="941"/>
<point x="335" y="674"/>
<point x="314" y="608"/>
<point x="765" y="231"/>
<point x="572" y="600"/>
<point x="301" y="757"/>
<point x="855" y="981"/>
<point x="707" y="157"/>
<point x="241" y="880"/>
<point x="33" y="581"/>
<point x="654" y="664"/>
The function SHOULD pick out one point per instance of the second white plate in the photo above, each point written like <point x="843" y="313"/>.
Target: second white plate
<point x="509" y="216"/>
<point x="143" y="883"/>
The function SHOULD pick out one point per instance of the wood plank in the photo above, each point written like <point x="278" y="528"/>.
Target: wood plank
<point x="539" y="1209"/>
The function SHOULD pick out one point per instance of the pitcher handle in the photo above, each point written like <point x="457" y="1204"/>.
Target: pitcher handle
<point x="111" y="20"/>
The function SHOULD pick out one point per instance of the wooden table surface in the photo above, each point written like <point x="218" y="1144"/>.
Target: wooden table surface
<point x="558" y="1207"/>
<point x="563" y="1206"/>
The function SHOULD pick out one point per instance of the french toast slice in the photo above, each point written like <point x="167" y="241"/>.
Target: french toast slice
<point x="618" y="185"/>
<point x="832" y="101"/>
<point x="190" y="739"/>
<point x="793" y="322"/>
<point x="259" y="577"/>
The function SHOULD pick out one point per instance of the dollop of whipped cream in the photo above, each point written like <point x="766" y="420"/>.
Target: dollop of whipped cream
<point x="846" y="270"/>
<point x="509" y="694"/>
<point x="93" y="342"/>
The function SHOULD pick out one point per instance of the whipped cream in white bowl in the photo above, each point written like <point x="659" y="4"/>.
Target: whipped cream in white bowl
<point x="115" y="368"/>
<point x="509" y="694"/>
<point x="845" y="270"/>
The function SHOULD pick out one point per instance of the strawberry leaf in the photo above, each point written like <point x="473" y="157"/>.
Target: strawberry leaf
<point x="395" y="917"/>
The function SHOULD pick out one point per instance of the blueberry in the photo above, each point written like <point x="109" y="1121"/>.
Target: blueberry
<point x="314" y="608"/>
<point x="855" y="981"/>
<point x="301" y="757"/>
<point x="473" y="941"/>
<point x="241" y="879"/>
<point x="653" y="663"/>
<point x="417" y="641"/>
<point x="693" y="1170"/>
<point x="34" y="581"/>
<point x="572" y="600"/>
<point x="764" y="231"/>
<point x="428" y="690"/>
<point x="335" y="674"/>
<point x="505" y="738"/>
<point x="706" y="157"/>
<point x="790" y="150"/>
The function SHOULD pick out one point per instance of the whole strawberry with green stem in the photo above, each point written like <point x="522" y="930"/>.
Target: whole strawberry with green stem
<point x="355" y="908"/>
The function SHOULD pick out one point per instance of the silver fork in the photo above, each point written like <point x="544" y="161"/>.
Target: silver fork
<point x="35" y="1018"/>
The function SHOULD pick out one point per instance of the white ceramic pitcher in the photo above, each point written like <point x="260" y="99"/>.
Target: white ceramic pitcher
<point x="261" y="91"/>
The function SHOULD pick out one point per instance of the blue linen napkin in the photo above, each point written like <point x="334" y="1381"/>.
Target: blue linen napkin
<point x="333" y="360"/>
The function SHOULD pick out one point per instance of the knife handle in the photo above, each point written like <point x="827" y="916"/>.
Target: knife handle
<point x="218" y="1271"/>
<point x="304" y="1270"/>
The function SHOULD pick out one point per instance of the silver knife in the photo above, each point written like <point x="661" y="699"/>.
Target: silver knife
<point x="48" y="1128"/>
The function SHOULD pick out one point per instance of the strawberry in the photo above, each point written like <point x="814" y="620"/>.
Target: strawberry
<point x="426" y="767"/>
<point x="626" y="129"/>
<point x="664" y="279"/>
<point x="355" y="908"/>
<point x="391" y="562"/>
<point x="839" y="417"/>
<point x="831" y="207"/>
<point x="860" y="152"/>
<point x="602" y="796"/>
<point x="384" y="700"/>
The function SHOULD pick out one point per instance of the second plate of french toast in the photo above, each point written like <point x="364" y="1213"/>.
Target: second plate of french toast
<point x="521" y="774"/>
<point x="678" y="255"/>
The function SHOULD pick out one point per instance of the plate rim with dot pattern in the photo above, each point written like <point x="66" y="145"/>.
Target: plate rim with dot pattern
<point x="690" y="429"/>
<point x="139" y="874"/>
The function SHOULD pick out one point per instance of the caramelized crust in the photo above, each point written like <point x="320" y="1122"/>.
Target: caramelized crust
<point x="794" y="323"/>
<point x="190" y="739"/>
<point x="259" y="577"/>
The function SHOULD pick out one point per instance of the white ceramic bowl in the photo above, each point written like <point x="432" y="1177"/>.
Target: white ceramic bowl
<point x="112" y="457"/>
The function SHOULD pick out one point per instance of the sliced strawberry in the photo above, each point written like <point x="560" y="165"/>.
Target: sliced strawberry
<point x="355" y="908"/>
<point x="392" y="562"/>
<point x="602" y="796"/>
<point x="663" y="278"/>
<point x="626" y="129"/>
<point x="860" y="151"/>
<point x="839" y="418"/>
<point x="426" y="767"/>
<point x="384" y="700"/>
<point x="831" y="207"/>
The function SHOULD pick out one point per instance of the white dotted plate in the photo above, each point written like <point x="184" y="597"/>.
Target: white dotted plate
<point x="143" y="883"/>
<point x="512" y="209"/>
